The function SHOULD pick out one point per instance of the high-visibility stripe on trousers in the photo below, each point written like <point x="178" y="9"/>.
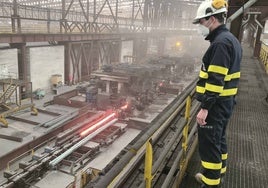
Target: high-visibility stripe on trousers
<point x="212" y="141"/>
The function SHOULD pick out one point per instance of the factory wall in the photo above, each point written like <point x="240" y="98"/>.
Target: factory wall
<point x="8" y="63"/>
<point x="45" y="62"/>
<point x="126" y="50"/>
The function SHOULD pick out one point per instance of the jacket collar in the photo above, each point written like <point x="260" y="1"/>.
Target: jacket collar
<point x="212" y="35"/>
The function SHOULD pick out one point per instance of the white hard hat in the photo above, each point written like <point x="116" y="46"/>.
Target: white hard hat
<point x="210" y="7"/>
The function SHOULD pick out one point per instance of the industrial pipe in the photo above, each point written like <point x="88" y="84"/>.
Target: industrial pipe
<point x="239" y="12"/>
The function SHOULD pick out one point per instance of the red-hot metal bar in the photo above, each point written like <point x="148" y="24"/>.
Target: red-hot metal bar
<point x="98" y="124"/>
<point x="93" y="131"/>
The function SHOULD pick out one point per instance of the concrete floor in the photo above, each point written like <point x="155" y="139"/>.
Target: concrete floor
<point x="27" y="131"/>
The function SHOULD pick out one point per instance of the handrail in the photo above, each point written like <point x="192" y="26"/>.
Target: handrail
<point x="183" y="134"/>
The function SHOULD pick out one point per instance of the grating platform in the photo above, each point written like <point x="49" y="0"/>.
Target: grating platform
<point x="247" y="132"/>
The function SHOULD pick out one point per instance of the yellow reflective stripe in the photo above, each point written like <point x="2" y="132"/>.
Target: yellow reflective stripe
<point x="228" y="92"/>
<point x="223" y="170"/>
<point x="203" y="74"/>
<point x="218" y="69"/>
<point x="228" y="78"/>
<point x="200" y="89"/>
<point x="224" y="93"/>
<point x="209" y="181"/>
<point x="218" y="89"/>
<point x="224" y="156"/>
<point x="214" y="88"/>
<point x="232" y="76"/>
<point x="212" y="166"/>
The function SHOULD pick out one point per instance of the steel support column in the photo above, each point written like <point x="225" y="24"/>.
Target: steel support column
<point x="63" y="20"/>
<point x="257" y="47"/>
<point x="89" y="59"/>
<point x="109" y="52"/>
<point x="161" y="45"/>
<point x="23" y="61"/>
<point x="76" y="56"/>
<point x="67" y="64"/>
<point x="140" y="46"/>
<point x="23" y="54"/>
<point x="15" y="19"/>
<point x="95" y="57"/>
<point x="115" y="52"/>
<point x="86" y="61"/>
<point x="80" y="59"/>
<point x="48" y="21"/>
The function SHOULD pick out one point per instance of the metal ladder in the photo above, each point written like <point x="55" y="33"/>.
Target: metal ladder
<point x="7" y="93"/>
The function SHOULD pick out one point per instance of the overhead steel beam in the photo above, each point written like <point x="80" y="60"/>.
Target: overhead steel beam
<point x="239" y="12"/>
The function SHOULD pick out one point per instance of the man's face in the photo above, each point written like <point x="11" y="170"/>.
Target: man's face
<point x="206" y="22"/>
<point x="205" y="26"/>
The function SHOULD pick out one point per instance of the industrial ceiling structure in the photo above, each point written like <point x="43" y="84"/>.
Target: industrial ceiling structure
<point x="122" y="3"/>
<point x="25" y="21"/>
<point x="248" y="15"/>
<point x="77" y="15"/>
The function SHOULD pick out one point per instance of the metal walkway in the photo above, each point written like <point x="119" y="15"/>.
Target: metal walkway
<point x="247" y="132"/>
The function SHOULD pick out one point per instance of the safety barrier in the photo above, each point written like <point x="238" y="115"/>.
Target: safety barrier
<point x="188" y="144"/>
<point x="264" y="55"/>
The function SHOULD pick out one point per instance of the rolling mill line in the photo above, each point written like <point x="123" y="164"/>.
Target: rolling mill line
<point x="101" y="93"/>
<point x="67" y="151"/>
<point x="170" y="134"/>
<point x="167" y="133"/>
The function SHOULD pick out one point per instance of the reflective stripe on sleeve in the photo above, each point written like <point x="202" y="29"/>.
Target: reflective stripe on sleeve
<point x="200" y="89"/>
<point x="224" y="93"/>
<point x="229" y="77"/>
<point x="214" y="88"/>
<point x="203" y="74"/>
<point x="223" y="170"/>
<point x="228" y="92"/>
<point x="218" y="69"/>
<point x="224" y="156"/>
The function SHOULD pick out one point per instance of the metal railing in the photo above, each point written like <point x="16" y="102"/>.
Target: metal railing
<point x="264" y="55"/>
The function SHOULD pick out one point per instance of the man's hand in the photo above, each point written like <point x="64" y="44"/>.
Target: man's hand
<point x="201" y="116"/>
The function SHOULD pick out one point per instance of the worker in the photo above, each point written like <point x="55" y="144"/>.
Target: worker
<point x="216" y="88"/>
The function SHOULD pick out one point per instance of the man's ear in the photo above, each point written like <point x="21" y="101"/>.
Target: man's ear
<point x="213" y="19"/>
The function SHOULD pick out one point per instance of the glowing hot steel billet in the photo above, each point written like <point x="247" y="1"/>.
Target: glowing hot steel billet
<point x="124" y="107"/>
<point x="86" y="139"/>
<point x="97" y="124"/>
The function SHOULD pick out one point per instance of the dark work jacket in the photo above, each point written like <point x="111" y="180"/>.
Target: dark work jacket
<point x="220" y="70"/>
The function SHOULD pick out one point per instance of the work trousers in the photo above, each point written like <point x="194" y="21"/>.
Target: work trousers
<point x="212" y="141"/>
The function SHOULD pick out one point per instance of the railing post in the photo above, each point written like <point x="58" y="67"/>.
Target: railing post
<point x="148" y="164"/>
<point x="186" y="128"/>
